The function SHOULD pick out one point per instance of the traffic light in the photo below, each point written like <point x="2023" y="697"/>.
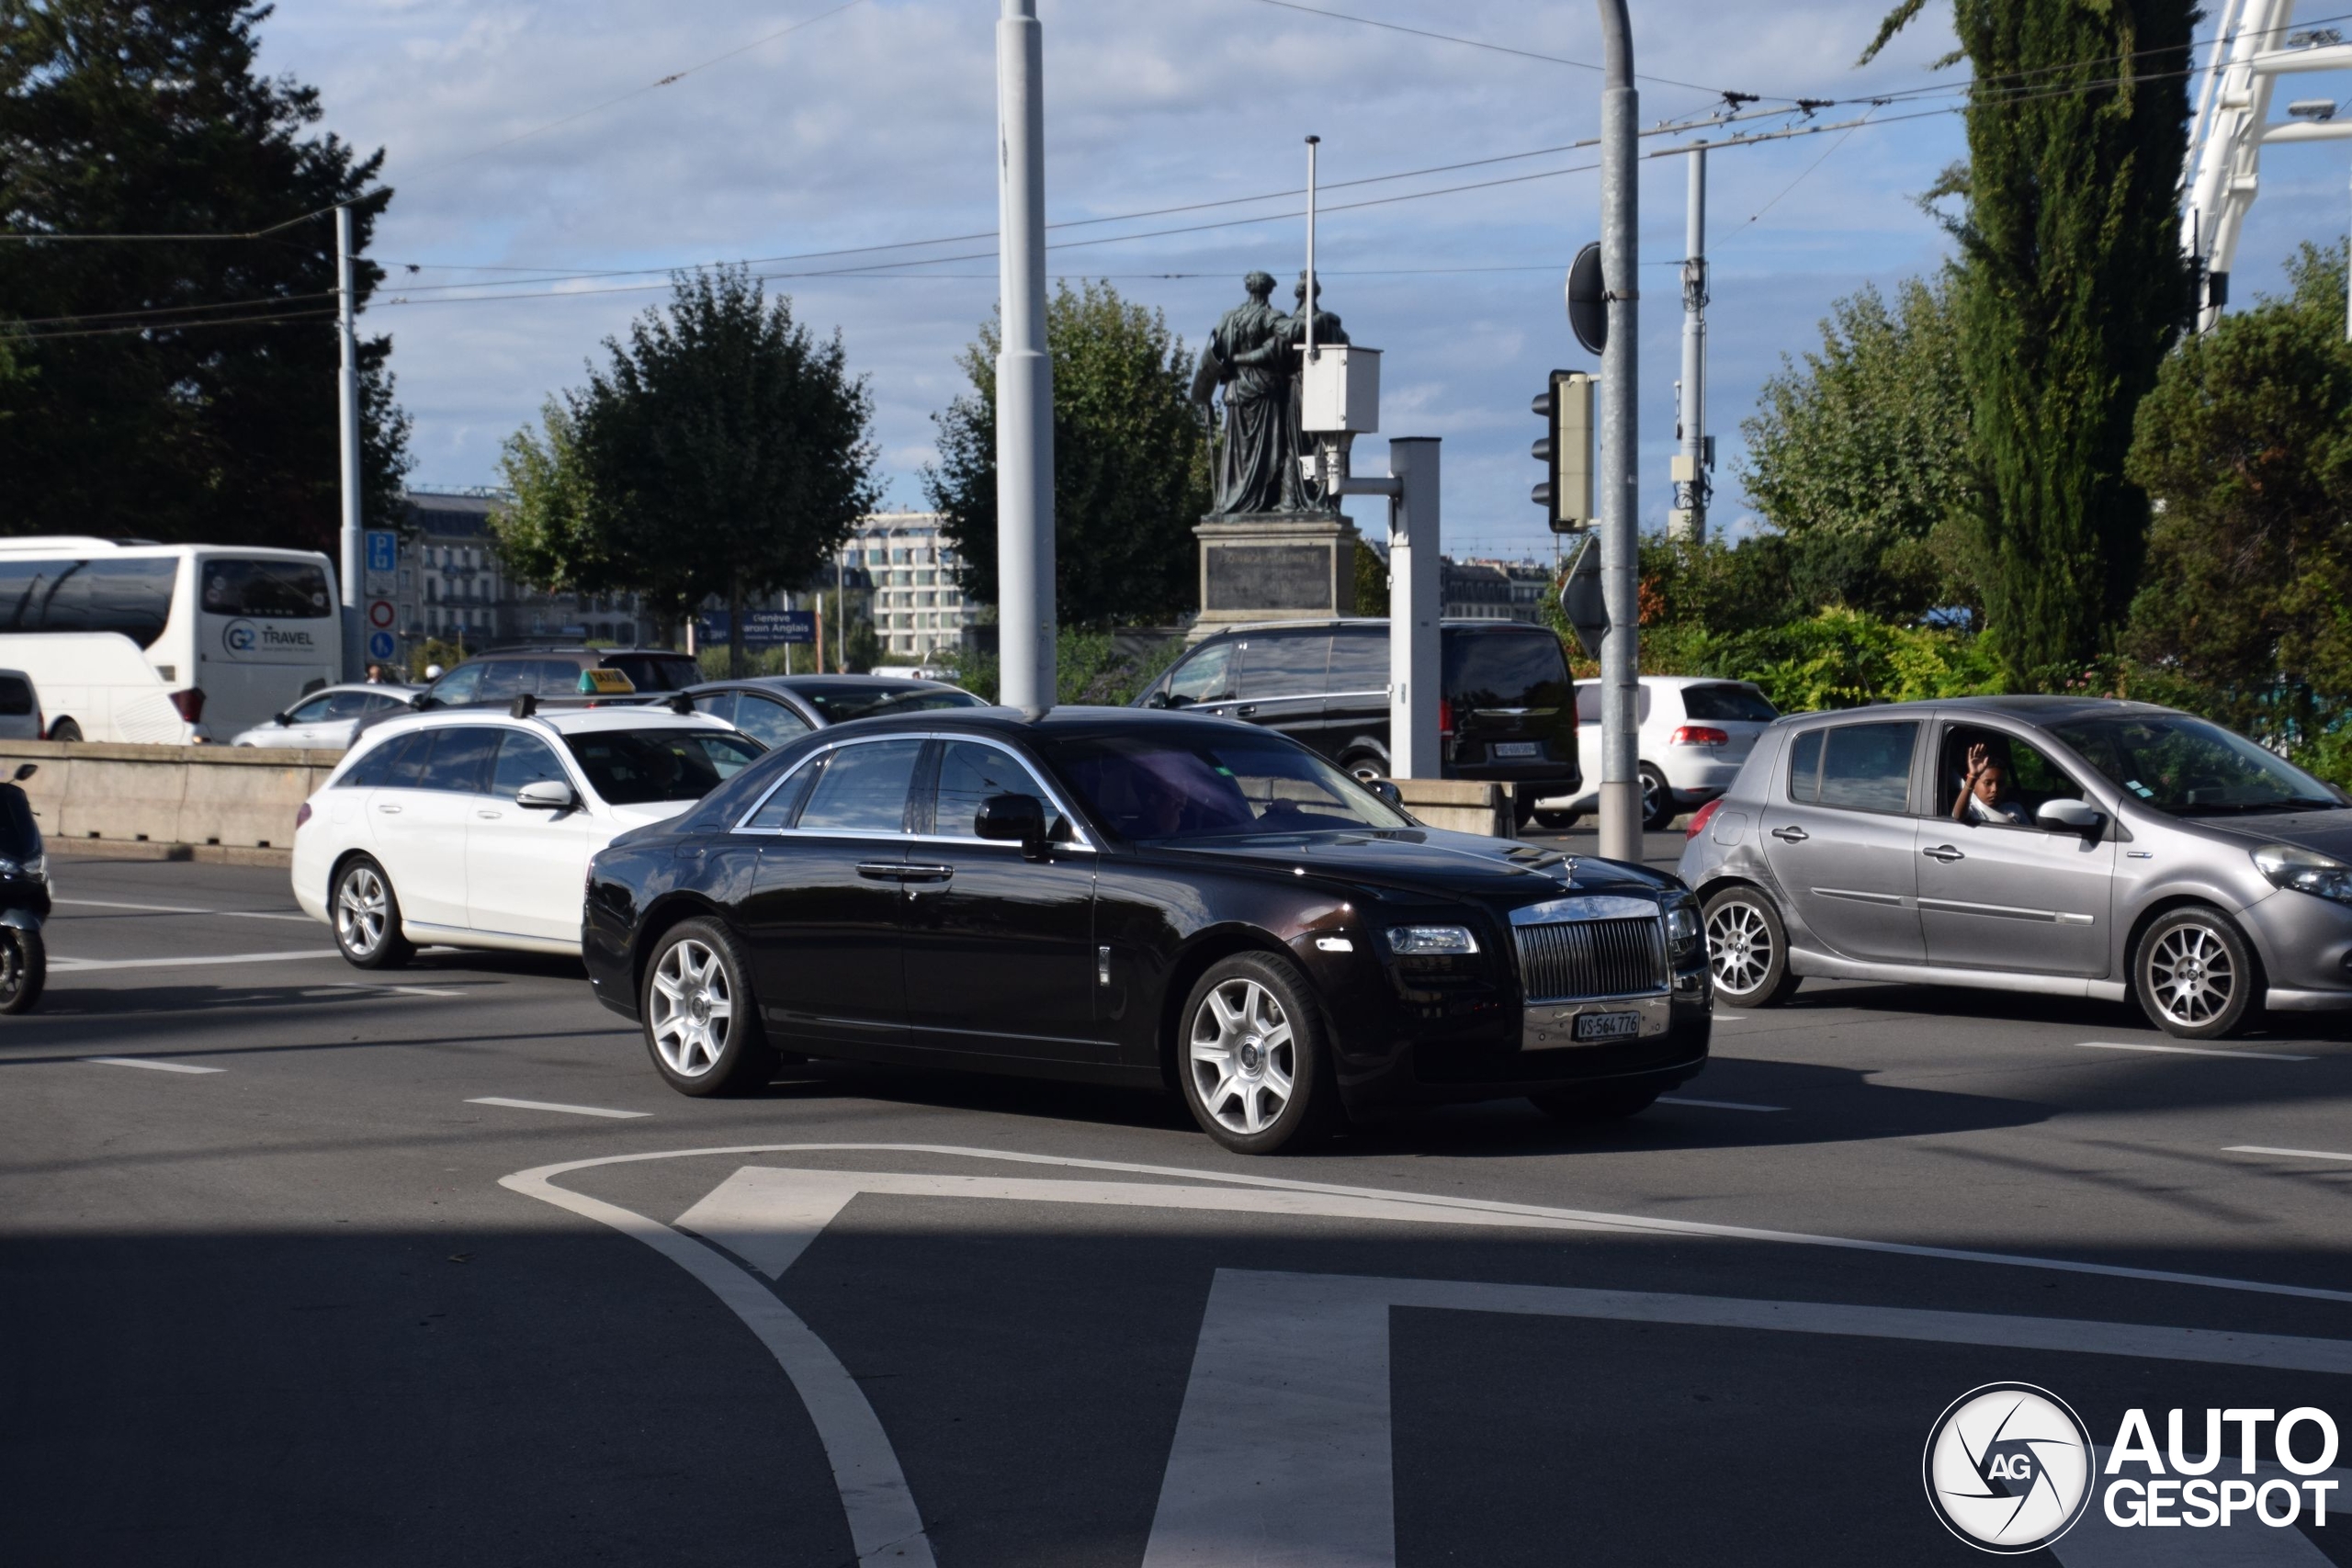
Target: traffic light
<point x="1565" y="451"/>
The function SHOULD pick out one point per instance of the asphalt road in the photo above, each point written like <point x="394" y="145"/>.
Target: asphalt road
<point x="275" y="1289"/>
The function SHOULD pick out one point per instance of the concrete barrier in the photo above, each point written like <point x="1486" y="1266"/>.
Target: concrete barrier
<point x="102" y="797"/>
<point x="1466" y="806"/>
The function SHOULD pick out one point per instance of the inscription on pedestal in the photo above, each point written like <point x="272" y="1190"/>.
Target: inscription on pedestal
<point x="1270" y="577"/>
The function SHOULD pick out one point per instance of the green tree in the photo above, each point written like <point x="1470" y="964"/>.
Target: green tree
<point x="208" y="414"/>
<point x="1857" y="455"/>
<point x="2070" y="288"/>
<point x="1130" y="462"/>
<point x="1372" y="580"/>
<point x="2247" y="440"/>
<point x="723" y="452"/>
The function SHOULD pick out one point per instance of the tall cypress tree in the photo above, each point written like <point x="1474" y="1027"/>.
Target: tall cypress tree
<point x="140" y="406"/>
<point x="2072" y="286"/>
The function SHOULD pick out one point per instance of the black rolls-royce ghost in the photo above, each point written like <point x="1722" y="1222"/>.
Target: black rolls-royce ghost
<point x="1137" y="898"/>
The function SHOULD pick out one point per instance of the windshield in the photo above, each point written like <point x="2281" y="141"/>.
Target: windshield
<point x="1215" y="785"/>
<point x="629" y="767"/>
<point x="1727" y="704"/>
<point x="2189" y="768"/>
<point x="847" y="700"/>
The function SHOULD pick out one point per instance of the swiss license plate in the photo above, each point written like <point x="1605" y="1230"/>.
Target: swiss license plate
<point x="1516" y="748"/>
<point x="1608" y="1025"/>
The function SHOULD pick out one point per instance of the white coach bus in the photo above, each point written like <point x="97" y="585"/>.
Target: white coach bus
<point x="126" y="640"/>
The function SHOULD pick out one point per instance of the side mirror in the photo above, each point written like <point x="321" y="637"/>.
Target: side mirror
<point x="1155" y="700"/>
<point x="1387" y="792"/>
<point x="279" y="719"/>
<point x="25" y="771"/>
<point x="546" y="794"/>
<point x="2069" y="816"/>
<point x="1011" y="819"/>
<point x="422" y="701"/>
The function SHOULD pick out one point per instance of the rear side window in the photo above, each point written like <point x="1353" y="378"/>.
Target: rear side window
<point x="557" y="678"/>
<point x="651" y="673"/>
<point x="1207" y="677"/>
<point x="267" y="590"/>
<point x="1359" y="663"/>
<point x="720" y="706"/>
<point x="777" y="812"/>
<point x="459" y="684"/>
<point x="1861" y="767"/>
<point x="863" y="790"/>
<point x="1734" y="704"/>
<point x="505" y="679"/>
<point x="1285" y="664"/>
<point x="461" y="759"/>
<point x="395" y="764"/>
<point x="770" y="723"/>
<point x="1505" y="670"/>
<point x="16" y="696"/>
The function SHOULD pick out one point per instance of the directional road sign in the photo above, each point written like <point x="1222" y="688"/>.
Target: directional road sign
<point x="1580" y="599"/>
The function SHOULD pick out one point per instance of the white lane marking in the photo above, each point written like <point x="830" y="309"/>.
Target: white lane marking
<point x="77" y="965"/>
<point x="1283" y="1448"/>
<point x="2291" y="1153"/>
<point x="2190" y="1050"/>
<point x="402" y="991"/>
<point x="1536" y="1217"/>
<point x="551" y="1105"/>
<point x="1715" y="1104"/>
<point x="183" y="910"/>
<point x="151" y="1064"/>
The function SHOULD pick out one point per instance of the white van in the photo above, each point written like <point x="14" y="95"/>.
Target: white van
<point x="126" y="640"/>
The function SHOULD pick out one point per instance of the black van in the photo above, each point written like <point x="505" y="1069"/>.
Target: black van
<point x="1507" y="713"/>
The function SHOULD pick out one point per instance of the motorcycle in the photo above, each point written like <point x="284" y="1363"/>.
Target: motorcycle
<point x="24" y="897"/>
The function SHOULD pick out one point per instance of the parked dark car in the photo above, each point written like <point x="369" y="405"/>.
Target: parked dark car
<point x="1506" y="712"/>
<point x="1138" y="899"/>
<point x="496" y="679"/>
<point x="778" y="709"/>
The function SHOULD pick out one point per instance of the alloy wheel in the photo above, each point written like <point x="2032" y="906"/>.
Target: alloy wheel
<point x="1244" y="1062"/>
<point x="694" y="1008"/>
<point x="1739" y="947"/>
<point x="2191" y="976"/>
<point x="13" y="968"/>
<point x="362" y="911"/>
<point x="1651" y="792"/>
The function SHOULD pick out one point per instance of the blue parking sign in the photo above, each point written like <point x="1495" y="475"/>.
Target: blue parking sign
<point x="380" y="645"/>
<point x="383" y="550"/>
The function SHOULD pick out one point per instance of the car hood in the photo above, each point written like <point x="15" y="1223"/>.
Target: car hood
<point x="1424" y="860"/>
<point x="2329" y="832"/>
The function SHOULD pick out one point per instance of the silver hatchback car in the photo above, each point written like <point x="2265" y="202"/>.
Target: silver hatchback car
<point x="2064" y="845"/>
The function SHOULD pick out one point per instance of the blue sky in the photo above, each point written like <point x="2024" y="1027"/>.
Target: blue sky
<point x="874" y="124"/>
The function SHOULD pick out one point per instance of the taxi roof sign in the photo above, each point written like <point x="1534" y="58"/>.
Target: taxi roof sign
<point x="602" y="683"/>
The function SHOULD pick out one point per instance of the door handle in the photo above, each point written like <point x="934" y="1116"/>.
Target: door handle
<point x="1943" y="852"/>
<point x="1790" y="835"/>
<point x="387" y="807"/>
<point x="925" y="873"/>
<point x="882" y="870"/>
<point x="1245" y="710"/>
<point x="492" y="816"/>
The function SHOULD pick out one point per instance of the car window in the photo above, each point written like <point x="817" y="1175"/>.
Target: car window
<point x="2028" y="776"/>
<point x="381" y="702"/>
<point x="461" y="759"/>
<point x="2187" y="767"/>
<point x="839" y="701"/>
<point x="1861" y="767"/>
<point x="650" y="672"/>
<point x="405" y="767"/>
<point x="459" y="685"/>
<point x="347" y="704"/>
<point x="310" y="710"/>
<point x="1735" y="703"/>
<point x="16" y="696"/>
<point x="768" y="721"/>
<point x="374" y="766"/>
<point x="1359" y="663"/>
<point x="504" y="679"/>
<point x="863" y="789"/>
<point x="558" y="677"/>
<point x="1215" y="785"/>
<point x="969" y="772"/>
<point x="631" y="767"/>
<point x="1504" y="669"/>
<point x="1284" y="664"/>
<point x="718" y="705"/>
<point x="1207" y="677"/>
<point x="522" y="760"/>
<point x="777" y="811"/>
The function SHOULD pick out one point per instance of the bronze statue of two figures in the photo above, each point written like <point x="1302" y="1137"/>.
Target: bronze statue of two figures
<point x="1256" y="354"/>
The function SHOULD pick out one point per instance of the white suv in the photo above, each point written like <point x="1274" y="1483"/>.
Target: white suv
<point x="474" y="828"/>
<point x="1695" y="731"/>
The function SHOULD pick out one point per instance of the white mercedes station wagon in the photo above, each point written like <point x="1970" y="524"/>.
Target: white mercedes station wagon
<point x="467" y="828"/>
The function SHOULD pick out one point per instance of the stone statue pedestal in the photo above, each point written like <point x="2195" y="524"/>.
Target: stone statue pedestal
<point x="1275" y="566"/>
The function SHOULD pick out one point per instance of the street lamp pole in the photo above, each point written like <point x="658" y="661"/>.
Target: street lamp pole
<point x="1621" y="788"/>
<point x="1025" y="371"/>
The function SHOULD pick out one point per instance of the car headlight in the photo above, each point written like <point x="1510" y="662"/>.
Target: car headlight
<point x="1430" y="941"/>
<point x="35" y="868"/>
<point x="2305" y="870"/>
<point x="1683" y="929"/>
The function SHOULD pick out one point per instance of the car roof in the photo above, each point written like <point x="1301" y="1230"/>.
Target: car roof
<point x="540" y="650"/>
<point x="2030" y="707"/>
<point x="563" y="721"/>
<point x="1058" y="723"/>
<point x="390" y="688"/>
<point x="799" y="683"/>
<point x="1680" y="681"/>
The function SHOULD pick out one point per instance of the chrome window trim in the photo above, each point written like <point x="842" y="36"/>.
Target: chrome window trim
<point x="1079" y="840"/>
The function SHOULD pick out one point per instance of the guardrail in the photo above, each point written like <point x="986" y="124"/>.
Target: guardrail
<point x="1466" y="806"/>
<point x="93" y="796"/>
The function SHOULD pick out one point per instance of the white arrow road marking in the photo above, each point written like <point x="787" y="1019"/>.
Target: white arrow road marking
<point x="769" y="1215"/>
<point x="551" y="1105"/>
<point x="151" y="1063"/>
<point x="203" y="961"/>
<point x="1283" y="1448"/>
<point x="2188" y="1051"/>
<point x="1715" y="1104"/>
<point x="2292" y="1154"/>
<point x="181" y="910"/>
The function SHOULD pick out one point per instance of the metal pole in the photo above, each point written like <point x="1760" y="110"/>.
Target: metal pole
<point x="1414" y="607"/>
<point x="1621" y="788"/>
<point x="1024" y="372"/>
<point x="840" y="610"/>
<point x="347" y="383"/>
<point x="1690" y="483"/>
<point x="1311" y="143"/>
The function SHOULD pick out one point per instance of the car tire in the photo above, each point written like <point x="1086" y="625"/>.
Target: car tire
<point x="1585" y="1108"/>
<point x="701" y="1022"/>
<point x="1658" y="810"/>
<point x="24" y="970"/>
<point x="65" y="729"/>
<point x="1559" y="821"/>
<point x="1253" y="1059"/>
<point x="2195" y="976"/>
<point x="1748" y="949"/>
<point x="365" y="915"/>
<point x="1365" y="766"/>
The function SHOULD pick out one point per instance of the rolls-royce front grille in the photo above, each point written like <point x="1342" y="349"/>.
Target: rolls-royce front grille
<point x="1579" y="959"/>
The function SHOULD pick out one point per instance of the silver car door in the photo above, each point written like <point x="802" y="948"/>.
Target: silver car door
<point x="2009" y="897"/>
<point x="1841" y="841"/>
